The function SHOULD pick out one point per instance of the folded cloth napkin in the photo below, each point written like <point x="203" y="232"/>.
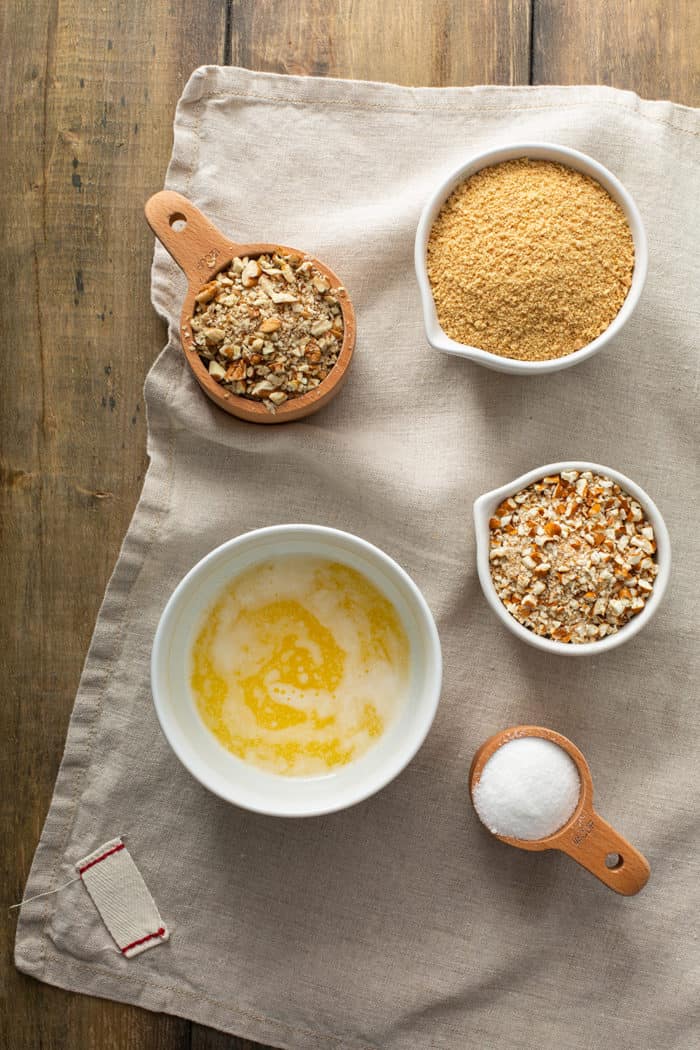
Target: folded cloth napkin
<point x="401" y="924"/>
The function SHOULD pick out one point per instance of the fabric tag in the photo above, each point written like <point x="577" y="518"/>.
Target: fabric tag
<point x="122" y="898"/>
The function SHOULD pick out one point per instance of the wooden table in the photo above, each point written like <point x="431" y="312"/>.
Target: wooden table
<point x="88" y="93"/>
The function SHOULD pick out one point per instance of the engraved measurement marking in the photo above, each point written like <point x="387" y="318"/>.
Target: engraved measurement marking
<point x="208" y="261"/>
<point x="583" y="830"/>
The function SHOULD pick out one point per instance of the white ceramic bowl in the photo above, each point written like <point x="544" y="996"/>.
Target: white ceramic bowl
<point x="484" y="509"/>
<point x="224" y="773"/>
<point x="537" y="151"/>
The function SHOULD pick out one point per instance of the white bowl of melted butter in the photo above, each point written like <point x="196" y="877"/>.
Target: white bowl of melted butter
<point x="296" y="670"/>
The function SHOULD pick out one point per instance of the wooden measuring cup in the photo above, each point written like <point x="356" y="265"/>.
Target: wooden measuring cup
<point x="586" y="837"/>
<point x="201" y="251"/>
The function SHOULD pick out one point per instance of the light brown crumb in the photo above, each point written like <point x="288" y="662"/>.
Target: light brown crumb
<point x="529" y="259"/>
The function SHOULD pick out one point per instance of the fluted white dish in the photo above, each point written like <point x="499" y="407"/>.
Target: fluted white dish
<point x="484" y="509"/>
<point x="536" y="151"/>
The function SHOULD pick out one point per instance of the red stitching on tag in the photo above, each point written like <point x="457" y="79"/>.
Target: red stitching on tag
<point x="115" y="849"/>
<point x="149" y="937"/>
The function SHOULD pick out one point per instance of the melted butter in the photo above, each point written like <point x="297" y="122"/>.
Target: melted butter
<point x="299" y="665"/>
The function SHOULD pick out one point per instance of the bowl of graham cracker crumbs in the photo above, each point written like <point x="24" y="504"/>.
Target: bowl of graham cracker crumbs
<point x="573" y="557"/>
<point x="530" y="258"/>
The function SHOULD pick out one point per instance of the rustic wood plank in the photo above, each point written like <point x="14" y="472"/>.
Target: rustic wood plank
<point x="210" y="1039"/>
<point x="442" y="43"/>
<point x="88" y="94"/>
<point x="649" y="46"/>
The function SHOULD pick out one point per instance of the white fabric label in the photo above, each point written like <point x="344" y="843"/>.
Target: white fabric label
<point x="122" y="898"/>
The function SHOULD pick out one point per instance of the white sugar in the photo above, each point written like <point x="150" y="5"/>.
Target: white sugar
<point x="528" y="789"/>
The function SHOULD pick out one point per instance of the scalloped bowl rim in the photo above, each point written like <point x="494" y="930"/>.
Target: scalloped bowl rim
<point x="537" y="151"/>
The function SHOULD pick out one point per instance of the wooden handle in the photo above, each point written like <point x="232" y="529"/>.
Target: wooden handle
<point x="194" y="243"/>
<point x="591" y="840"/>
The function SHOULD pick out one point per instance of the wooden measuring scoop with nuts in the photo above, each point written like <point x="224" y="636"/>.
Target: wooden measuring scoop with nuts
<point x="267" y="330"/>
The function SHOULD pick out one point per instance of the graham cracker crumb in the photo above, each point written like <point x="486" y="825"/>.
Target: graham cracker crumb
<point x="529" y="259"/>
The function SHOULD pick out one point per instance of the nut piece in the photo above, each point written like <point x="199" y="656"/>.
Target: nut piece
<point x="207" y="293"/>
<point x="271" y="324"/>
<point x="214" y="336"/>
<point x="275" y="294"/>
<point x="235" y="372"/>
<point x="216" y="371"/>
<point x="251" y="272"/>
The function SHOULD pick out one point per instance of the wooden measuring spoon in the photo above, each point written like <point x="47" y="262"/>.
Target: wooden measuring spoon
<point x="586" y="837"/>
<point x="201" y="251"/>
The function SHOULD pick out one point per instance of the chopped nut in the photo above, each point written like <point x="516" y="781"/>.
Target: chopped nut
<point x="271" y="324"/>
<point x="236" y="372"/>
<point x="268" y="327"/>
<point x="214" y="335"/>
<point x="207" y="293"/>
<point x="275" y="294"/>
<point x="216" y="370"/>
<point x="250" y="274"/>
<point x="283" y="297"/>
<point x="261" y="388"/>
<point x="321" y="327"/>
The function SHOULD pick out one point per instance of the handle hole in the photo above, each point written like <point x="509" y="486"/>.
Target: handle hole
<point x="177" y="222"/>
<point x="614" y="861"/>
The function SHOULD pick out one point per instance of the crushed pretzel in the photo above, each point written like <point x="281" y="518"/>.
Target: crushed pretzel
<point x="572" y="557"/>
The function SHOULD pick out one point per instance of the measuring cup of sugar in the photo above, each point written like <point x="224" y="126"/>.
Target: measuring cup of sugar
<point x="532" y="788"/>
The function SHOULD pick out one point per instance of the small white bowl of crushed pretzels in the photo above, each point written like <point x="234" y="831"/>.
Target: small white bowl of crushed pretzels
<point x="573" y="557"/>
<point x="530" y="258"/>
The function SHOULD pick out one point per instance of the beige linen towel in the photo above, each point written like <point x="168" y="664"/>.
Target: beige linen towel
<point x="400" y="924"/>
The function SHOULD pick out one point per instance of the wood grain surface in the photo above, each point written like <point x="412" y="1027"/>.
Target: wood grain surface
<point x="88" y="96"/>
